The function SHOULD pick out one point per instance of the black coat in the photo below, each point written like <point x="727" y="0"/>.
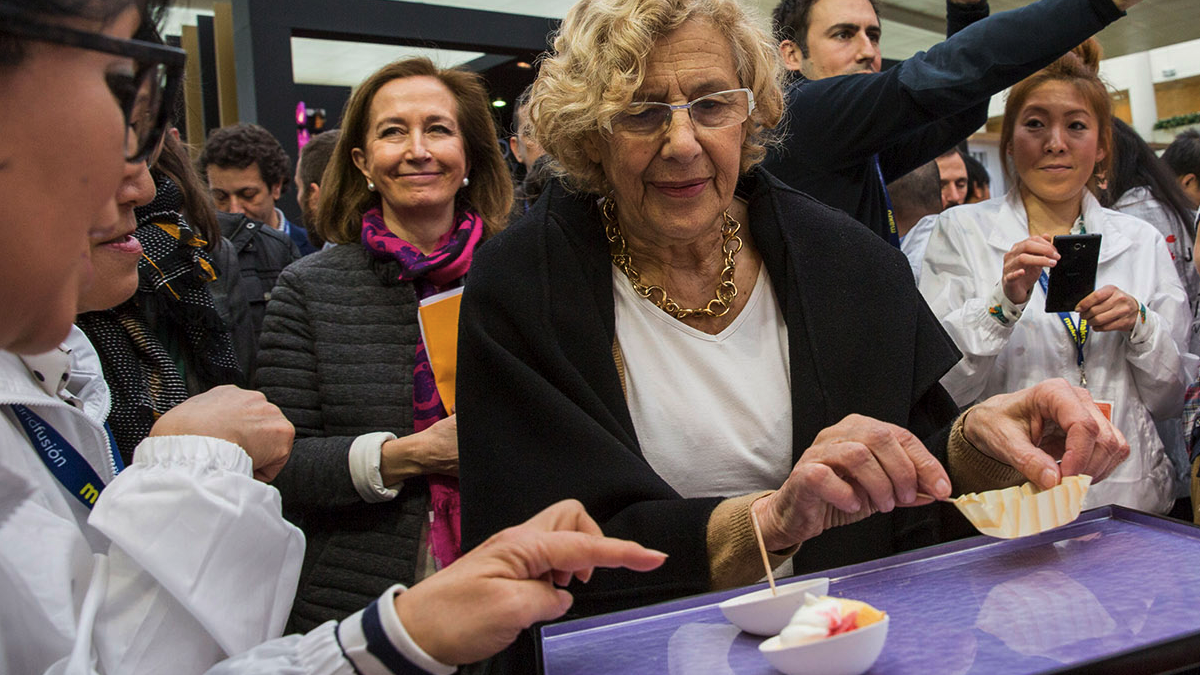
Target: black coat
<point x="543" y="417"/>
<point x="913" y="112"/>
<point x="262" y="253"/>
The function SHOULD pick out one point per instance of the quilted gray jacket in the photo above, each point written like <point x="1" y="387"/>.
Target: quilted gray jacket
<point x="336" y="355"/>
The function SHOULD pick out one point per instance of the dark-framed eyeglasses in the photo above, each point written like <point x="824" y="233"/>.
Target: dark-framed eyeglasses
<point x="145" y="96"/>
<point x="714" y="111"/>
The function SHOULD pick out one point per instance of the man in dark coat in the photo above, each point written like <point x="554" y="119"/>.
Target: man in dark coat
<point x="851" y="135"/>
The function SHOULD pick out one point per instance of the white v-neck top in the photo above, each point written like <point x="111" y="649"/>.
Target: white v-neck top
<point x="713" y="413"/>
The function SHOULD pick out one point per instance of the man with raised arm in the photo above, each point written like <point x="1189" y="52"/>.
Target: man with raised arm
<point x="850" y="136"/>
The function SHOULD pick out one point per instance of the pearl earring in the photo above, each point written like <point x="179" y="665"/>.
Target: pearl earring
<point x="370" y="186"/>
<point x="466" y="181"/>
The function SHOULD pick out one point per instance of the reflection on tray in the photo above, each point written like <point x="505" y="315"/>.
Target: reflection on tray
<point x="701" y="648"/>
<point x="1038" y="613"/>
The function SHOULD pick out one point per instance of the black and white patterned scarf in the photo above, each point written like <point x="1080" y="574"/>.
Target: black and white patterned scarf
<point x="173" y="274"/>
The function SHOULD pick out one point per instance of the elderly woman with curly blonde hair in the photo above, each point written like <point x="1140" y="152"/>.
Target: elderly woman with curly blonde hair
<point x="680" y="341"/>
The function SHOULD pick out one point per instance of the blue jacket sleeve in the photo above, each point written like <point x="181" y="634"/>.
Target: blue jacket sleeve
<point x="928" y="142"/>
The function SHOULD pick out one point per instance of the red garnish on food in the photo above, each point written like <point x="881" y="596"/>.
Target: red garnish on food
<point x="844" y="625"/>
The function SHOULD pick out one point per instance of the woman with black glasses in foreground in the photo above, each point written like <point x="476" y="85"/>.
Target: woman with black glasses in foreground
<point x="149" y="577"/>
<point x="182" y="559"/>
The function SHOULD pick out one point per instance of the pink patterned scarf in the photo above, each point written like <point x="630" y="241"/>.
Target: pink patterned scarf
<point x="434" y="273"/>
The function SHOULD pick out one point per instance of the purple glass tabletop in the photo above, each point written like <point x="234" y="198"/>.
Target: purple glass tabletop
<point x="1115" y="582"/>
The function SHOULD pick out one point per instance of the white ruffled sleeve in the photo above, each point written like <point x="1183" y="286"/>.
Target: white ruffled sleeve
<point x="188" y="518"/>
<point x="371" y="641"/>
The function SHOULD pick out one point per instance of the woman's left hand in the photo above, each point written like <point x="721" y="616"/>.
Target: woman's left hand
<point x="1031" y="428"/>
<point x="1109" y="308"/>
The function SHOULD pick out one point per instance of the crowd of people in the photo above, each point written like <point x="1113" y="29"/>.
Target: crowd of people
<point x="737" y="278"/>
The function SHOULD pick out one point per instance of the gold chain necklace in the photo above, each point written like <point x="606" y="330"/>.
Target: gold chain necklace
<point x="726" y="290"/>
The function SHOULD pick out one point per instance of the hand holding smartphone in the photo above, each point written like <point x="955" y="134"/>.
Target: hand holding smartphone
<point x="1074" y="277"/>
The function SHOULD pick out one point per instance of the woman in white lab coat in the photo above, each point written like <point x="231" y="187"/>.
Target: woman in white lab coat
<point x="982" y="274"/>
<point x="183" y="558"/>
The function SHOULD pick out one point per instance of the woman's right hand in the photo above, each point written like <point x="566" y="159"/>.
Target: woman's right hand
<point x="858" y="466"/>
<point x="434" y="450"/>
<point x="481" y="603"/>
<point x="1023" y="265"/>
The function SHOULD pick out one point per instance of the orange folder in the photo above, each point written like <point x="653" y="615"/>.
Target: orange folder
<point x="438" y="318"/>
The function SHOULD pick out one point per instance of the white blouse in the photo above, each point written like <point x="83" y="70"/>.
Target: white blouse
<point x="713" y="413"/>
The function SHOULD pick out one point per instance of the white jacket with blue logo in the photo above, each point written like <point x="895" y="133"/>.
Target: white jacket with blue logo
<point x="1142" y="374"/>
<point x="184" y="560"/>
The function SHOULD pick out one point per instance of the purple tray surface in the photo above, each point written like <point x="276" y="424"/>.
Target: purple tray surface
<point x="1112" y="581"/>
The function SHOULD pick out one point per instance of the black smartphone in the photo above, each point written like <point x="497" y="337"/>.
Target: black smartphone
<point x="1074" y="277"/>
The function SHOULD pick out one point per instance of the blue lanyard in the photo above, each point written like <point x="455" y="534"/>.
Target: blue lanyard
<point x="63" y="460"/>
<point x="893" y="233"/>
<point x="1079" y="334"/>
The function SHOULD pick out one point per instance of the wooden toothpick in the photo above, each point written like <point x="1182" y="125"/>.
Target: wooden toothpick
<point x="762" y="548"/>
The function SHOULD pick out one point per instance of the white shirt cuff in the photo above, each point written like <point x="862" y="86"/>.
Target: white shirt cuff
<point x="1003" y="310"/>
<point x="366" y="453"/>
<point x="377" y="643"/>
<point x="318" y="651"/>
<point x="1143" y="326"/>
<point x="193" y="450"/>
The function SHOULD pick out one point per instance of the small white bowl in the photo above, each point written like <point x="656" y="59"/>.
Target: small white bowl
<point x="850" y="653"/>
<point x="761" y="613"/>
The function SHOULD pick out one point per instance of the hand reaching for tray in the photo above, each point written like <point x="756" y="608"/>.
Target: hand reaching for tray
<point x="479" y="604"/>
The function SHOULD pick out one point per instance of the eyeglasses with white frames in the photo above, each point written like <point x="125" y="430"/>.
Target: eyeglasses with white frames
<point x="713" y="111"/>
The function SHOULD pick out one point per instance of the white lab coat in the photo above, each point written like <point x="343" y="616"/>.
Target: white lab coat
<point x="1143" y="375"/>
<point x="1139" y="202"/>
<point x="913" y="244"/>
<point x="183" y="561"/>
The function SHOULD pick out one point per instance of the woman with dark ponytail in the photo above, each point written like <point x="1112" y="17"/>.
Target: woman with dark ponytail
<point x="1143" y="186"/>
<point x="166" y="323"/>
